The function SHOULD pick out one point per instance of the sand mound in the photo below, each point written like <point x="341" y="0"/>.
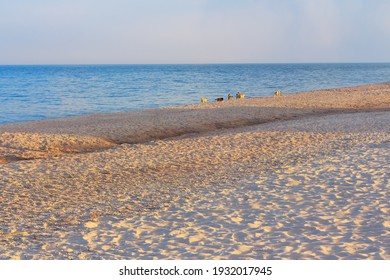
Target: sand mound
<point x="141" y="126"/>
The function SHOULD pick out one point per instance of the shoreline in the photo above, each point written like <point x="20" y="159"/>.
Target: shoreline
<point x="309" y="187"/>
<point x="48" y="138"/>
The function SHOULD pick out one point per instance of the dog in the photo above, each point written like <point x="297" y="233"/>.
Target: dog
<point x="203" y="100"/>
<point x="240" y="95"/>
<point x="230" y="97"/>
<point x="220" y="99"/>
<point x="278" y="93"/>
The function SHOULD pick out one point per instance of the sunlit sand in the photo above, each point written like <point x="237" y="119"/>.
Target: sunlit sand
<point x="300" y="176"/>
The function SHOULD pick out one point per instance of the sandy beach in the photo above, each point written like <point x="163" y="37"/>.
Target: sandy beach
<point x="300" y="176"/>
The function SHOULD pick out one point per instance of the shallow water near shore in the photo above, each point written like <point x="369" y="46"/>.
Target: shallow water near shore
<point x="41" y="92"/>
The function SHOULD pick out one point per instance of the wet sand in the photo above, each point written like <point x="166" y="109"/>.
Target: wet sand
<point x="303" y="176"/>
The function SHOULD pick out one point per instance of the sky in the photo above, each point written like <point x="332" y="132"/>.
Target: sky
<point x="193" y="31"/>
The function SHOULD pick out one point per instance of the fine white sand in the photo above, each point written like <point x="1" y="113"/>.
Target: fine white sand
<point x="308" y="179"/>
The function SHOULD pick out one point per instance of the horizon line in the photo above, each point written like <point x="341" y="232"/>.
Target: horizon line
<point x="187" y="63"/>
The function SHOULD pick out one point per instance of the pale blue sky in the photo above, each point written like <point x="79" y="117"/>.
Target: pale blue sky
<point x="193" y="31"/>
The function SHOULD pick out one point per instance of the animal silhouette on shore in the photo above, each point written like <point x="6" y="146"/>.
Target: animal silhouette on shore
<point x="240" y="95"/>
<point x="278" y="93"/>
<point x="220" y="99"/>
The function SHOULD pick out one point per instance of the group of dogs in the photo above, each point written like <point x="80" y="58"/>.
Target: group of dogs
<point x="238" y="96"/>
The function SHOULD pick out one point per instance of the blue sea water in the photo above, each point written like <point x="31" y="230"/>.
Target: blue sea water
<point x="37" y="92"/>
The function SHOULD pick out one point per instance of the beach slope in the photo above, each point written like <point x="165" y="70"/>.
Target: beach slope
<point x="301" y="176"/>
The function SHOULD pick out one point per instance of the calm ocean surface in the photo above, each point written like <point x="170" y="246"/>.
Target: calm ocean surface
<point x="52" y="91"/>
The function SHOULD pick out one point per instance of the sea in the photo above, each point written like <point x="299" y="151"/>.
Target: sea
<point x="39" y="92"/>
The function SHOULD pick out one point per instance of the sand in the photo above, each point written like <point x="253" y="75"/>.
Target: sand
<point x="302" y="176"/>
